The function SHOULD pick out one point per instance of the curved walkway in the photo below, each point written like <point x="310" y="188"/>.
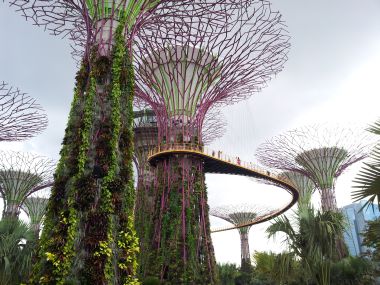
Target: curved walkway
<point x="217" y="162"/>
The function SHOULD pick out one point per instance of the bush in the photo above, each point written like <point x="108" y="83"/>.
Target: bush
<point x="352" y="271"/>
<point x="151" y="281"/>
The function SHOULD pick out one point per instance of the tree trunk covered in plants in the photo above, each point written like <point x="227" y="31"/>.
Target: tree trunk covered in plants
<point x="144" y="209"/>
<point x="89" y="236"/>
<point x="328" y="203"/>
<point x="11" y="210"/>
<point x="181" y="247"/>
<point x="245" y="253"/>
<point x="328" y="200"/>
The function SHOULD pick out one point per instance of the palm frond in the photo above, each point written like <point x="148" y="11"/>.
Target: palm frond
<point x="375" y="128"/>
<point x="280" y="224"/>
<point x="368" y="181"/>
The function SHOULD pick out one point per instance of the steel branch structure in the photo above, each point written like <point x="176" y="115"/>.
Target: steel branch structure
<point x="93" y="22"/>
<point x="320" y="152"/>
<point x="304" y="185"/>
<point x="238" y="215"/>
<point x="182" y="72"/>
<point x="90" y="211"/>
<point x="22" y="174"/>
<point x="35" y="208"/>
<point x="20" y="116"/>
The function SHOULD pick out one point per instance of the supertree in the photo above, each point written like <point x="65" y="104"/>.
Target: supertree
<point x="22" y="174"/>
<point x="301" y="182"/>
<point x="320" y="152"/>
<point x="182" y="72"/>
<point x="239" y="215"/>
<point x="89" y="235"/>
<point x="35" y="208"/>
<point x="145" y="139"/>
<point x="20" y="116"/>
<point x="304" y="185"/>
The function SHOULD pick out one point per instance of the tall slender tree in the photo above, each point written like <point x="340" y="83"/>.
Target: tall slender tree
<point x="320" y="152"/>
<point x="89" y="234"/>
<point x="182" y="78"/>
<point x="240" y="215"/>
<point x="22" y="174"/>
<point x="35" y="208"/>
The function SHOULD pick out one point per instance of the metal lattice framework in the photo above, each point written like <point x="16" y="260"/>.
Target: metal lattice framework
<point x="20" y="116"/>
<point x="90" y="22"/>
<point x="320" y="152"/>
<point x="301" y="182"/>
<point x="184" y="70"/>
<point x="22" y="174"/>
<point x="103" y="33"/>
<point x="238" y="215"/>
<point x="35" y="208"/>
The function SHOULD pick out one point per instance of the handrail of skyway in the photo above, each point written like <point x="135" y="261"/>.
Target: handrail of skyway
<point x="220" y="156"/>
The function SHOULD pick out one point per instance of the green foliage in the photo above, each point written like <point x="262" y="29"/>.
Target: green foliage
<point x="89" y="235"/>
<point x="352" y="271"/>
<point x="282" y="268"/>
<point x="151" y="281"/>
<point x="372" y="238"/>
<point x="312" y="239"/>
<point x="368" y="180"/>
<point x="181" y="250"/>
<point x="17" y="245"/>
<point x="227" y="273"/>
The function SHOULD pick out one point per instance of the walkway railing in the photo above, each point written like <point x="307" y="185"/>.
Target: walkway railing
<point x="196" y="148"/>
<point x="237" y="163"/>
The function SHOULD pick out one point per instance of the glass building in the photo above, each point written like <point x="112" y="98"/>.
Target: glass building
<point x="357" y="221"/>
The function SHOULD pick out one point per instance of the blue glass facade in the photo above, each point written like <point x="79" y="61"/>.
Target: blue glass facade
<point x="357" y="221"/>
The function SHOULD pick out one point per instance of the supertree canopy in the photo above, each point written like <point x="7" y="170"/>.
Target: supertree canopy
<point x="35" y="208"/>
<point x="301" y="182"/>
<point x="321" y="153"/>
<point x="240" y="215"/>
<point x="183" y="71"/>
<point x="182" y="77"/>
<point x="89" y="236"/>
<point x="22" y="174"/>
<point x="20" y="116"/>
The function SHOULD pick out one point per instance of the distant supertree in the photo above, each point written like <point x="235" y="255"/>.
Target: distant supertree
<point x="22" y="174"/>
<point x="182" y="72"/>
<point x="239" y="215"/>
<point x="35" y="208"/>
<point x="320" y="152"/>
<point x="90" y="212"/>
<point x="20" y="116"/>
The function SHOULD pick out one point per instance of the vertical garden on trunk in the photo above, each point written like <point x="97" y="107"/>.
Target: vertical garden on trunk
<point x="89" y="235"/>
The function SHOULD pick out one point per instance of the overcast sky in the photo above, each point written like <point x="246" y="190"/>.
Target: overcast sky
<point x="332" y="75"/>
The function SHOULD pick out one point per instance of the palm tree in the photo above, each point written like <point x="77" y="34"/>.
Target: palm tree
<point x="312" y="238"/>
<point x="16" y="250"/>
<point x="368" y="179"/>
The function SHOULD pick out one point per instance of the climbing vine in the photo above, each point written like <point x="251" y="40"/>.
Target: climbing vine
<point x="89" y="235"/>
<point x="181" y="251"/>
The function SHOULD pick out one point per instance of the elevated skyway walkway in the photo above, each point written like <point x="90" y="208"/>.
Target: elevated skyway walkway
<point x="219" y="163"/>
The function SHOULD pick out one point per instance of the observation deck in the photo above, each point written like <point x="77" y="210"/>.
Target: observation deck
<point x="219" y="163"/>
